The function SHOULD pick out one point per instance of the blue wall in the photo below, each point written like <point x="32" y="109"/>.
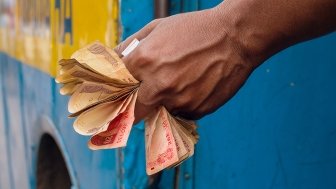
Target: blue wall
<point x="279" y="131"/>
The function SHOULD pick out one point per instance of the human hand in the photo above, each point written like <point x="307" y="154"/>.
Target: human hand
<point x="193" y="63"/>
<point x="187" y="63"/>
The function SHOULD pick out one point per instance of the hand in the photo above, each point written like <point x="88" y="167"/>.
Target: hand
<point x="186" y="63"/>
<point x="193" y="63"/>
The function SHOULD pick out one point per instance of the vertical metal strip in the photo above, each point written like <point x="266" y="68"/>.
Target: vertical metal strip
<point x="23" y="124"/>
<point x="133" y="16"/>
<point x="161" y="8"/>
<point x="116" y="7"/>
<point x="6" y="126"/>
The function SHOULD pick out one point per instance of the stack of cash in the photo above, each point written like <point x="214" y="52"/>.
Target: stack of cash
<point x="103" y="95"/>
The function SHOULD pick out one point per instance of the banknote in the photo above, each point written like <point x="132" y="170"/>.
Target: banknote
<point x="118" y="130"/>
<point x="90" y="93"/>
<point x="103" y="60"/>
<point x="103" y="99"/>
<point x="162" y="151"/>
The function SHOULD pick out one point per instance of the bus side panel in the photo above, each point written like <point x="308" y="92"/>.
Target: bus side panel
<point x="37" y="104"/>
<point x="92" y="169"/>
<point x="31" y="95"/>
<point x="134" y="16"/>
<point x="278" y="131"/>
<point x="16" y="136"/>
<point x="5" y="176"/>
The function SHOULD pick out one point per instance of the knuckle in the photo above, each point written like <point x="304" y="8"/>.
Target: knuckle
<point x="170" y="82"/>
<point x="152" y="23"/>
<point x="148" y="95"/>
<point x="155" y="21"/>
<point x="143" y="57"/>
<point x="165" y="86"/>
<point x="133" y="69"/>
<point x="117" y="49"/>
<point x="146" y="100"/>
<point x="180" y="104"/>
<point x="169" y="106"/>
<point x="174" y="104"/>
<point x="183" y="103"/>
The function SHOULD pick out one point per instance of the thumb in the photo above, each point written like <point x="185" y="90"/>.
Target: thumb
<point x="141" y="34"/>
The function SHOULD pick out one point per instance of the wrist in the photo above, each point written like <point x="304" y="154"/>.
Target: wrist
<point x="252" y="38"/>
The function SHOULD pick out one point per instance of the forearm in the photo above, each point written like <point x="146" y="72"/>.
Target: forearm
<point x="208" y="55"/>
<point x="264" y="27"/>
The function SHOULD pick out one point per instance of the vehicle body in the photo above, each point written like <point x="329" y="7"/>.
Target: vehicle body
<point x="279" y="131"/>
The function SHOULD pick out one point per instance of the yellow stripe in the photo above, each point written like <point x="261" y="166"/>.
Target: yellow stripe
<point x="34" y="41"/>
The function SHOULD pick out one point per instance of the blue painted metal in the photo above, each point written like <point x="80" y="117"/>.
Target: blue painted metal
<point x="277" y="132"/>
<point x="15" y="134"/>
<point x="134" y="16"/>
<point x="42" y="110"/>
<point x="6" y="180"/>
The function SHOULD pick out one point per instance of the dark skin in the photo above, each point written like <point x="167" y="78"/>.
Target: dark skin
<point x="193" y="63"/>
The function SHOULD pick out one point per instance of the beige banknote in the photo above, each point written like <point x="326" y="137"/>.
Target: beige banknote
<point x="118" y="130"/>
<point x="103" y="98"/>
<point x="162" y="150"/>
<point x="91" y="93"/>
<point x="105" y="61"/>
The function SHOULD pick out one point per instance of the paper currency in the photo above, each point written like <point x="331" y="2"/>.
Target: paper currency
<point x="103" y="95"/>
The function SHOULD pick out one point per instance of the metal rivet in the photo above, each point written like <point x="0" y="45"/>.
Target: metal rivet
<point x="186" y="176"/>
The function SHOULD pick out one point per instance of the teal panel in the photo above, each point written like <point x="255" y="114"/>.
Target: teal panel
<point x="134" y="16"/>
<point x="15" y="132"/>
<point x="278" y="131"/>
<point x="32" y="106"/>
<point x="6" y="178"/>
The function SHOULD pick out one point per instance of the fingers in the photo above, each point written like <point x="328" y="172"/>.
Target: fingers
<point x="141" y="111"/>
<point x="132" y="62"/>
<point x="142" y="108"/>
<point x="219" y="97"/>
<point x="141" y="34"/>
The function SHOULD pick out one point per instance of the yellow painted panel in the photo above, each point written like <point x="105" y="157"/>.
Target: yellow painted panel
<point x="40" y="32"/>
<point x="91" y="20"/>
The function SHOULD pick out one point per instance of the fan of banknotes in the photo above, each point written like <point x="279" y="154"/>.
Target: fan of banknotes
<point x="103" y="95"/>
